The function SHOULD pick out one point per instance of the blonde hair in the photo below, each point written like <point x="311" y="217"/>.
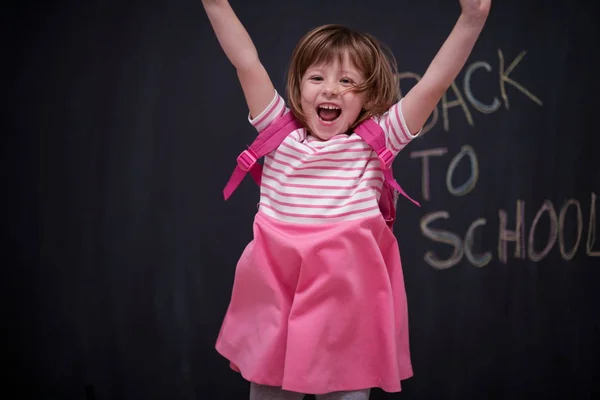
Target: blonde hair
<point x="373" y="59"/>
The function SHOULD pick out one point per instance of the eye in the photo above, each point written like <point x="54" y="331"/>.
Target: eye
<point x="315" y="78"/>
<point x="347" y="81"/>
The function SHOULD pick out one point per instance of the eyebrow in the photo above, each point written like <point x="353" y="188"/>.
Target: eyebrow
<point x="351" y="73"/>
<point x="355" y="74"/>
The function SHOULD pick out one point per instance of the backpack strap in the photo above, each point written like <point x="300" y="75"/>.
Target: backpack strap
<point x="372" y="133"/>
<point x="266" y="141"/>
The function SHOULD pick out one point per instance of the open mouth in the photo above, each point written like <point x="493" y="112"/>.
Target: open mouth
<point x="328" y="112"/>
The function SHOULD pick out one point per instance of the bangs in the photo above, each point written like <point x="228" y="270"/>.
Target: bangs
<point x="333" y="48"/>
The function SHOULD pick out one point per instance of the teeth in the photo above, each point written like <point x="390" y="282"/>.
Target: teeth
<point x="328" y="107"/>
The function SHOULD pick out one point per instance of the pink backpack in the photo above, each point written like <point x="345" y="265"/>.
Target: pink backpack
<point x="270" y="138"/>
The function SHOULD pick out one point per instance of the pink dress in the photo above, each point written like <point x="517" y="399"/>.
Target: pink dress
<point x="318" y="302"/>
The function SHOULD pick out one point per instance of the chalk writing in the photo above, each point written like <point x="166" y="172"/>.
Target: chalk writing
<point x="425" y="154"/>
<point x="465" y="248"/>
<point x="547" y="207"/>
<point x="591" y="240"/>
<point x="441" y="236"/>
<point x="470" y="183"/>
<point x="463" y="189"/>
<point x="478" y="105"/>
<point x="505" y="79"/>
<point x="561" y="227"/>
<point x="459" y="101"/>
<point x="510" y="231"/>
<point x="483" y="259"/>
<point x="461" y="248"/>
<point x="517" y="236"/>
<point x="557" y="226"/>
<point x="456" y="103"/>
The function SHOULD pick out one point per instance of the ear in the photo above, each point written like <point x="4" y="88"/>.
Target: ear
<point x="367" y="106"/>
<point x="369" y="100"/>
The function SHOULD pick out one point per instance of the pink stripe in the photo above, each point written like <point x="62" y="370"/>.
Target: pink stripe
<point x="337" y="138"/>
<point x="316" y="196"/>
<point x="312" y="176"/>
<point x="305" y="186"/>
<point x="363" y="150"/>
<point x="315" y="144"/>
<point x="339" y="160"/>
<point x="283" y="203"/>
<point x="327" y="168"/>
<point x="397" y="140"/>
<point x="324" y="167"/>
<point x="289" y="146"/>
<point x="279" y="151"/>
<point x="390" y="128"/>
<point x="320" y="216"/>
<point x="399" y="118"/>
<point x="392" y="143"/>
<point x="268" y="113"/>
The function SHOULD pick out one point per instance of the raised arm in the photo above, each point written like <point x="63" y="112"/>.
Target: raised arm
<point x="237" y="45"/>
<point x="421" y="100"/>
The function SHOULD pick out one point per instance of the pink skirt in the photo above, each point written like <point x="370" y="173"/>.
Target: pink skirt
<point x="319" y="308"/>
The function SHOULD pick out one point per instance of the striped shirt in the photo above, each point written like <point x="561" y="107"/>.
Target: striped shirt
<point x="310" y="181"/>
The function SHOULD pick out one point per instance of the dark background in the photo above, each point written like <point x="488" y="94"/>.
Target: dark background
<point x="125" y="119"/>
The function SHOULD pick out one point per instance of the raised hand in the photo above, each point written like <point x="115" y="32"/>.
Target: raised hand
<point x="421" y="100"/>
<point x="476" y="9"/>
<point x="239" y="48"/>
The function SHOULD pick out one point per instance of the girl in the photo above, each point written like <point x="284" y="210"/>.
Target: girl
<point x="318" y="303"/>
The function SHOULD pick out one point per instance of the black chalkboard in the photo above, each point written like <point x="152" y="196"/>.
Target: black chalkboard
<point x="126" y="250"/>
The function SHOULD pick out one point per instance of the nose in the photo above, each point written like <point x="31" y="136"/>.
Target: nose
<point x="330" y="89"/>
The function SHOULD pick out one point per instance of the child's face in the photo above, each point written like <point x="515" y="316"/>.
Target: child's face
<point x="328" y="103"/>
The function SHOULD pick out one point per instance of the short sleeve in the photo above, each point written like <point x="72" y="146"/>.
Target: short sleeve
<point x="275" y="109"/>
<point x="395" y="128"/>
